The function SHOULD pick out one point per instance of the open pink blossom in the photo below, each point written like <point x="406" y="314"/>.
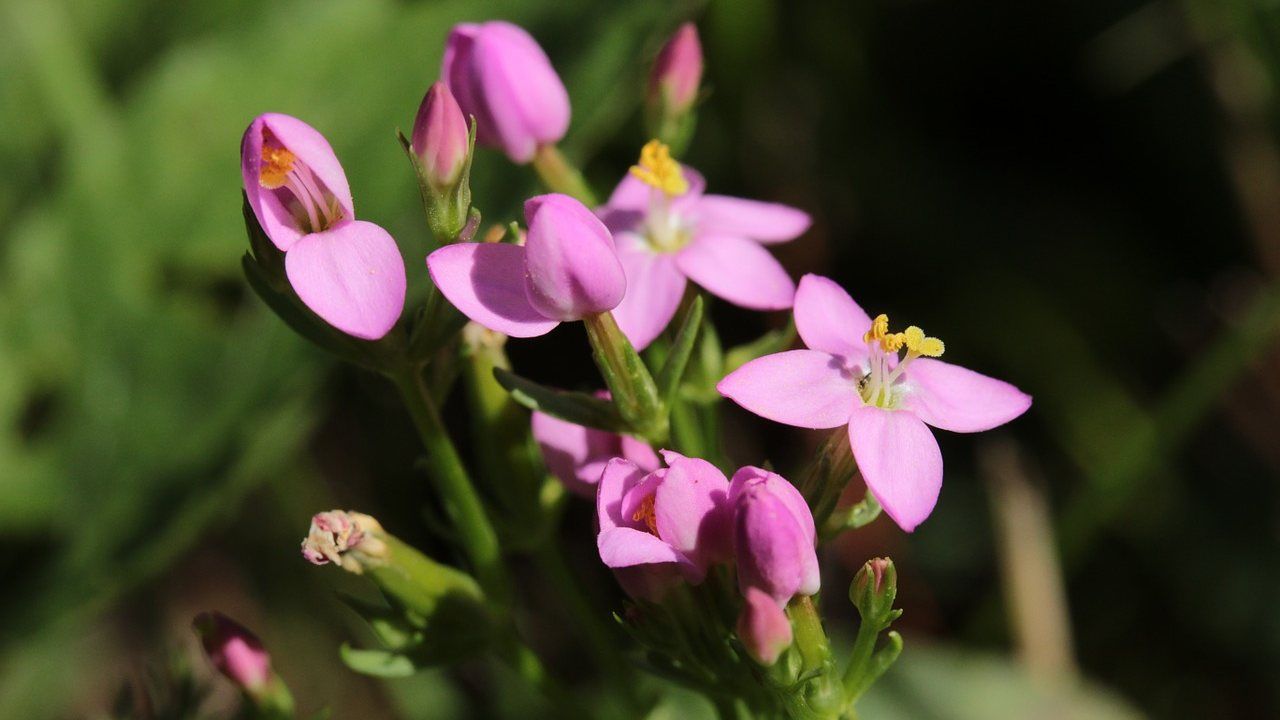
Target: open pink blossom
<point x="773" y="536"/>
<point x="852" y="374"/>
<point x="567" y="269"/>
<point x="501" y="76"/>
<point x="669" y="232"/>
<point x="347" y="271"/>
<point x="662" y="527"/>
<point x="577" y="455"/>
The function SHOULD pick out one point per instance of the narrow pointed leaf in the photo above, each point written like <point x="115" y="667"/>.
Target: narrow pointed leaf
<point x="575" y="407"/>
<point x="681" y="349"/>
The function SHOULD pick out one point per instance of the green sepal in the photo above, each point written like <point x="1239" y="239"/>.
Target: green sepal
<point x="575" y="407"/>
<point x="672" y="371"/>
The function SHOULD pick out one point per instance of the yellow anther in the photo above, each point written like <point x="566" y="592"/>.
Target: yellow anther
<point x="648" y="514"/>
<point x="658" y="169"/>
<point x="276" y="165"/>
<point x="920" y="344"/>
<point x="879" y="333"/>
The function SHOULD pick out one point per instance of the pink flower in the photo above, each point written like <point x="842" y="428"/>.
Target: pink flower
<point x="577" y="455"/>
<point x="773" y="536"/>
<point x="852" y="374"/>
<point x="233" y="650"/>
<point x="567" y="269"/>
<point x="348" y="272"/>
<point x="669" y="232"/>
<point x="677" y="71"/>
<point x="763" y="627"/>
<point x="440" y="137"/>
<point x="662" y="527"/>
<point x="500" y="75"/>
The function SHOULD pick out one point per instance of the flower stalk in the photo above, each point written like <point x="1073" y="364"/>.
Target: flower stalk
<point x="560" y="175"/>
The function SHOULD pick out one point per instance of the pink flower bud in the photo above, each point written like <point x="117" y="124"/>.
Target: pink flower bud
<point x="501" y="76"/>
<point x="571" y="267"/>
<point x="774" y="536"/>
<point x="763" y="627"/>
<point x="234" y="651"/>
<point x="440" y="137"/>
<point x="677" y="72"/>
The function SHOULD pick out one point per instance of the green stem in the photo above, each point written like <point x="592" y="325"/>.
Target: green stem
<point x="815" y="650"/>
<point x="461" y="501"/>
<point x="634" y="391"/>
<point x="559" y="175"/>
<point x="857" y="675"/>
<point x="526" y="664"/>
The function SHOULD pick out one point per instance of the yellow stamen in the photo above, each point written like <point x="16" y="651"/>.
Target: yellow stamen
<point x="879" y="332"/>
<point x="913" y="338"/>
<point x="277" y="163"/>
<point x="919" y="344"/>
<point x="647" y="513"/>
<point x="658" y="169"/>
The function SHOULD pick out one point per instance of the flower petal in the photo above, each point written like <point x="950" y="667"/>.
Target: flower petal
<point x="900" y="460"/>
<point x="351" y="275"/>
<point x="780" y="488"/>
<point x="690" y="509"/>
<point x="640" y="453"/>
<point x="485" y="281"/>
<point x="626" y="547"/>
<point x="763" y="627"/>
<point x="572" y="267"/>
<point x="958" y="399"/>
<point x="764" y="222"/>
<point x="738" y="270"/>
<point x="619" y="476"/>
<point x="829" y="320"/>
<point x="773" y="552"/>
<point x="654" y="289"/>
<point x="573" y="453"/>
<point x="805" y="388"/>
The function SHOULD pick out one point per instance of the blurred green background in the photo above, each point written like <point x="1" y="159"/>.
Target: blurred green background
<point x="1080" y="196"/>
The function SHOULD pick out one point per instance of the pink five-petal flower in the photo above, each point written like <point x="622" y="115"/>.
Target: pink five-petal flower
<point x="233" y="650"/>
<point x="660" y="527"/>
<point x="853" y="374"/>
<point x="714" y="240"/>
<point x="577" y="455"/>
<point x="567" y="269"/>
<point x="500" y="75"/>
<point x="774" y="536"/>
<point x="346" y="271"/>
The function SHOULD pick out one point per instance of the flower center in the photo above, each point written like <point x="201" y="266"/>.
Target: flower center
<point x="647" y="513"/>
<point x="877" y="387"/>
<point x="663" y="229"/>
<point x="307" y="199"/>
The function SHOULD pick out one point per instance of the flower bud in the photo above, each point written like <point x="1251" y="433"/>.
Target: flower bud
<point x="571" y="267"/>
<point x="234" y="651"/>
<point x="440" y="137"/>
<point x="358" y="544"/>
<point x="763" y="627"/>
<point x="503" y="78"/>
<point x="677" y="72"/>
<point x="874" y="590"/>
<point x="673" y="88"/>
<point x="774" y="536"/>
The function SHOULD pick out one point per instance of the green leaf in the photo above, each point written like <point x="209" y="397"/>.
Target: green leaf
<point x="575" y="407"/>
<point x="378" y="663"/>
<point x="681" y="349"/>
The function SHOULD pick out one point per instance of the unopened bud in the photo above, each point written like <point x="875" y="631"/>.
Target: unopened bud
<point x="673" y="87"/>
<point x="234" y="651"/>
<point x="874" y="590"/>
<point x="763" y="627"/>
<point x="350" y="540"/>
<point x="440" y="137"/>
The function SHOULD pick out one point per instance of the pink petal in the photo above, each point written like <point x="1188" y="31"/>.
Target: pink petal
<point x="619" y="476"/>
<point x="625" y="547"/>
<point x="572" y="268"/>
<point x="634" y="194"/>
<point x="526" y="100"/>
<point x="485" y="281"/>
<point x="351" y="275"/>
<point x="780" y="488"/>
<point x="689" y="507"/>
<point x="805" y="388"/>
<point x="764" y="222"/>
<point x="640" y="453"/>
<point x="774" y="554"/>
<point x="738" y="270"/>
<point x="829" y="320"/>
<point x="900" y="460"/>
<point x="573" y="453"/>
<point x="655" y="287"/>
<point x="763" y="627"/>
<point x="958" y="399"/>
